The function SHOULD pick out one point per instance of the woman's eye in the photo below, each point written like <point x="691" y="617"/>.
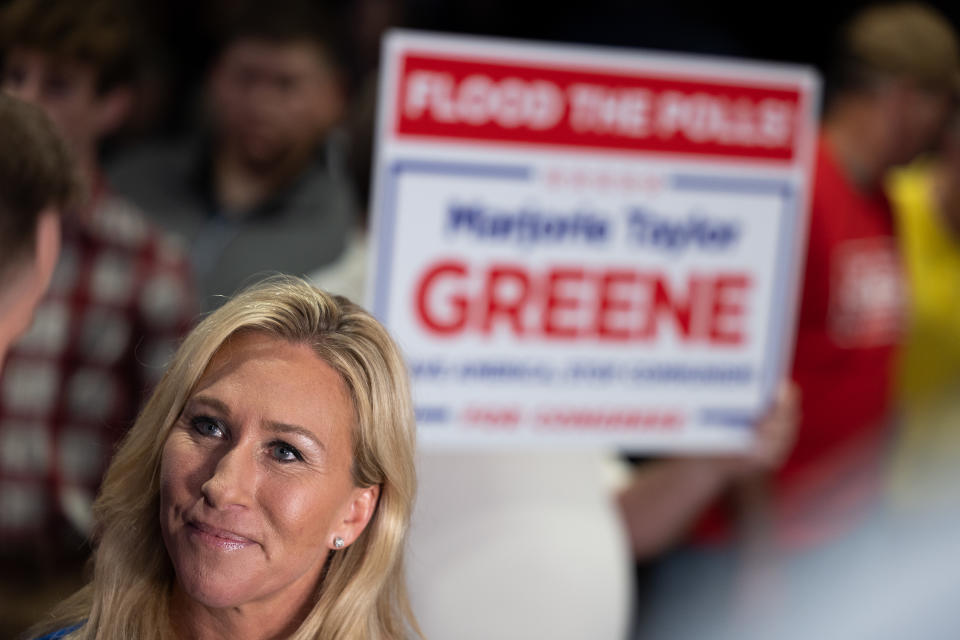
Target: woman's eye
<point x="284" y="452"/>
<point x="207" y="427"/>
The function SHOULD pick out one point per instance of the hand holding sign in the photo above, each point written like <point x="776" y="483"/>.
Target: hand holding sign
<point x="775" y="434"/>
<point x="664" y="497"/>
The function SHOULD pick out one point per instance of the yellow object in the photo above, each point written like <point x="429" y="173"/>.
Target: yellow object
<point x="927" y="452"/>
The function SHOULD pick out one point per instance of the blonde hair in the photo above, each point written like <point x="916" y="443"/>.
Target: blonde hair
<point x="362" y="594"/>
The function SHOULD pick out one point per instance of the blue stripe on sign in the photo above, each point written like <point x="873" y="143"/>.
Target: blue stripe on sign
<point x="387" y="222"/>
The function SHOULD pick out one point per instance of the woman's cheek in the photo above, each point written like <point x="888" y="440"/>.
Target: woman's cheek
<point x="306" y="509"/>
<point x="180" y="466"/>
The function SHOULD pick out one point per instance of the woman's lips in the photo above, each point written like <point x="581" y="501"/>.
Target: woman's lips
<point x="220" y="538"/>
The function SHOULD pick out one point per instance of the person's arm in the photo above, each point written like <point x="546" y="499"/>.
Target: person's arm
<point x="664" y="498"/>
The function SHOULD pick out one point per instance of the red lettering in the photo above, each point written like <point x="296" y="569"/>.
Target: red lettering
<point x="567" y="303"/>
<point x="556" y="301"/>
<point x="726" y="319"/>
<point x="610" y="305"/>
<point x="497" y="418"/>
<point x="501" y="301"/>
<point x="458" y="302"/>
<point x="680" y="310"/>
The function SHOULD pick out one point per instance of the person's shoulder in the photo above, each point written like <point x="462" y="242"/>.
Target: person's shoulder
<point x="155" y="257"/>
<point x="158" y="175"/>
<point x="139" y="160"/>
<point x="910" y="187"/>
<point x="120" y="222"/>
<point x="326" y="178"/>
<point x="828" y="177"/>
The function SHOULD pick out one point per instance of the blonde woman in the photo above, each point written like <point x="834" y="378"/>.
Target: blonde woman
<point x="266" y="488"/>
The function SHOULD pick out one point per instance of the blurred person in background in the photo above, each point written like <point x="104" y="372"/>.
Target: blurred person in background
<point x="763" y="529"/>
<point x="120" y="297"/>
<point x="365" y="22"/>
<point x="36" y="182"/>
<point x="261" y="189"/>
<point x="926" y="198"/>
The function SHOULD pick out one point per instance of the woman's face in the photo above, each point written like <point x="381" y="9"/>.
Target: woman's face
<point x="255" y="476"/>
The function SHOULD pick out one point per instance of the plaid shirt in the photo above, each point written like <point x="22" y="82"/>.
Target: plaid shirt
<point x="121" y="298"/>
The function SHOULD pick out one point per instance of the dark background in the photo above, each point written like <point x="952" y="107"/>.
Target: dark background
<point x="793" y="32"/>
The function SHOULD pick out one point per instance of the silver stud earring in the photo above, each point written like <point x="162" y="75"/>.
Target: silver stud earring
<point x="338" y="542"/>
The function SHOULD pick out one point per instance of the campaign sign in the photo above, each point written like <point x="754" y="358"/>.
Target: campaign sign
<point x="588" y="246"/>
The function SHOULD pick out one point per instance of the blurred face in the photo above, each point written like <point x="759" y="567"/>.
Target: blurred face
<point x="256" y="477"/>
<point x="922" y="113"/>
<point x="64" y="89"/>
<point x="273" y="99"/>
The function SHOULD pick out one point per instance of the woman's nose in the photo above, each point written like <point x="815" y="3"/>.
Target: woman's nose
<point x="232" y="480"/>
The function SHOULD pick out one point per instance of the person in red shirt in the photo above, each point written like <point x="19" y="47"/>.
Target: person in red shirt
<point x="810" y="482"/>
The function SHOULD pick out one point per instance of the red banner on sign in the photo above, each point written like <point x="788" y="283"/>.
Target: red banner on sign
<point x="484" y="101"/>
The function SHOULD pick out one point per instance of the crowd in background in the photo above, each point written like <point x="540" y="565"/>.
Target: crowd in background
<point x="218" y="141"/>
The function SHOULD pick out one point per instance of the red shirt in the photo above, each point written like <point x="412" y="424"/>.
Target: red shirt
<point x="850" y="322"/>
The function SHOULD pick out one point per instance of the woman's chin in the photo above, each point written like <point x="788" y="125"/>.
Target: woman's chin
<point x="215" y="591"/>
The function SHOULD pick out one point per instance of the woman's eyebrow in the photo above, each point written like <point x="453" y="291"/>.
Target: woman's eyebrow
<point x="213" y="403"/>
<point x="283" y="427"/>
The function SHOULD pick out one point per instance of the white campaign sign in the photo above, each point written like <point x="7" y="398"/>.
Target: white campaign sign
<point x="579" y="246"/>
